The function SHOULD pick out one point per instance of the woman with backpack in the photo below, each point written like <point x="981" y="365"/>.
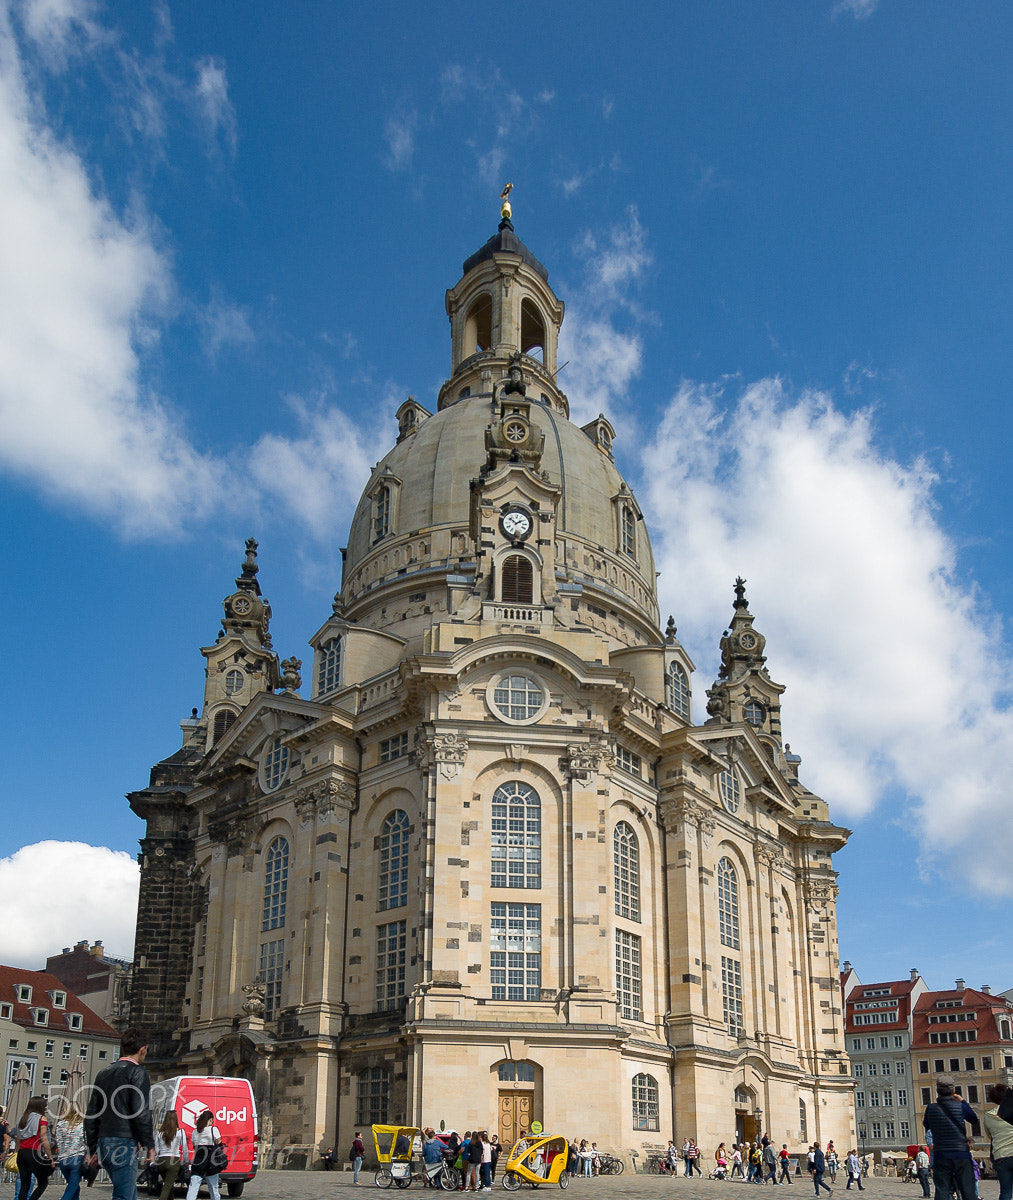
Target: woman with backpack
<point x="204" y="1139"/>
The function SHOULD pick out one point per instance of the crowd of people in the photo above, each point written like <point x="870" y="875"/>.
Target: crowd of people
<point x="116" y="1133"/>
<point x="761" y="1162"/>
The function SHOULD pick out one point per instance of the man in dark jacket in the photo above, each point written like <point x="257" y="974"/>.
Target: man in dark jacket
<point x="819" y="1166"/>
<point x="119" y="1116"/>
<point x="951" y="1159"/>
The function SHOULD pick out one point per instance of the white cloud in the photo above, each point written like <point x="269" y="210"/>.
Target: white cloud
<point x="56" y="26"/>
<point x="319" y="475"/>
<point x="81" y="285"/>
<point x="599" y="340"/>
<point x="57" y="893"/>
<point x="897" y="675"/>
<point x="859" y="9"/>
<point x="223" y="323"/>
<point x="399" y="134"/>
<point x="212" y="95"/>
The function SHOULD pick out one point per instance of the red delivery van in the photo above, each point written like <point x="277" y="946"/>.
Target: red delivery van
<point x="235" y="1112"/>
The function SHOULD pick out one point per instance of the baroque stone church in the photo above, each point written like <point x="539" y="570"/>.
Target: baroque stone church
<point x="494" y="862"/>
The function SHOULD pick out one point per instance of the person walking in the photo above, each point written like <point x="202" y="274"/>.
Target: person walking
<point x="35" y="1155"/>
<point x="204" y="1138"/>
<point x="785" y="1160"/>
<point x="170" y="1153"/>
<point x="358" y="1153"/>
<point x="922" y="1168"/>
<point x="70" y="1148"/>
<point x="693" y="1162"/>
<point x="831" y="1157"/>
<point x="737" y="1162"/>
<point x="119" y="1116"/>
<point x="855" y="1171"/>
<point x="1000" y="1133"/>
<point x="486" y="1161"/>
<point x="819" y="1168"/>
<point x="769" y="1156"/>
<point x="951" y="1159"/>
<point x="495" y="1155"/>
<point x="473" y="1161"/>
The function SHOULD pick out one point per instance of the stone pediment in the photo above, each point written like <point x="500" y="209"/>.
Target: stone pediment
<point x="267" y="715"/>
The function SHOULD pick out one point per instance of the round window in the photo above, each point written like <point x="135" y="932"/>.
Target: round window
<point x="273" y="766"/>
<point x="517" y="698"/>
<point x="754" y="713"/>
<point x="234" y="681"/>
<point x="728" y="783"/>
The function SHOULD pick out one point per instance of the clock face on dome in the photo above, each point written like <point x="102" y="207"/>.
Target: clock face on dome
<point x="515" y="431"/>
<point x="516" y="524"/>
<point x="241" y="606"/>
<point x="747" y="640"/>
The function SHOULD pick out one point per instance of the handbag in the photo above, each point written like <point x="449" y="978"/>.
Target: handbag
<point x="218" y="1159"/>
<point x="11" y="1162"/>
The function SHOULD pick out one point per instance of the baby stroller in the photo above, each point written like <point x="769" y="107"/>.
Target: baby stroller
<point x="720" y="1171"/>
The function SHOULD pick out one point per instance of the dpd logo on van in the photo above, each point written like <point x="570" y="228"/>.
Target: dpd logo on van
<point x="190" y="1112"/>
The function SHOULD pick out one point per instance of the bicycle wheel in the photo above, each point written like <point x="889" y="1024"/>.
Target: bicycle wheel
<point x="616" y="1166"/>
<point x="449" y="1179"/>
<point x="403" y="1183"/>
<point x="382" y="1179"/>
<point x="564" y="1180"/>
<point x="511" y="1181"/>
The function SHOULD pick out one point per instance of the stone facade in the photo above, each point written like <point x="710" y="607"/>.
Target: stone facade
<point x="492" y="870"/>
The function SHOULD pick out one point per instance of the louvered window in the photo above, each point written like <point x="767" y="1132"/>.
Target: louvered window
<point x="518" y="580"/>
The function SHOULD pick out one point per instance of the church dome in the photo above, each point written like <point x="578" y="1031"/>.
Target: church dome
<point x="416" y="517"/>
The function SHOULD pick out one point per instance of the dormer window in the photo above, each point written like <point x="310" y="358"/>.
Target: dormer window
<point x="24" y="992"/>
<point x="628" y="532"/>
<point x="40" y="1016"/>
<point x="6" y="1011"/>
<point x="75" y="1021"/>
<point x="59" y="999"/>
<point x="383" y="496"/>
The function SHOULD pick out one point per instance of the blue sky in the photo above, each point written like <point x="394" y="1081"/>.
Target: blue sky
<point x="782" y="234"/>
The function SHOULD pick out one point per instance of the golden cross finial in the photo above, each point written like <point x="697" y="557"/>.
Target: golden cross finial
<point x="506" y="212"/>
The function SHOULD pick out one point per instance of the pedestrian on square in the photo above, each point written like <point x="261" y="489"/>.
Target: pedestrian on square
<point x="952" y="1168"/>
<point x="785" y="1158"/>
<point x="922" y="1168"/>
<point x="1001" y="1134"/>
<point x="119" y="1116"/>
<point x="358" y="1153"/>
<point x="819" y="1167"/>
<point x="473" y="1161"/>
<point x="769" y="1156"/>
<point x="855" y="1171"/>
<point x="737" y="1162"/>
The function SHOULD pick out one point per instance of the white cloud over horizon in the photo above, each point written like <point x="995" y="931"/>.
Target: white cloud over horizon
<point x="897" y="672"/>
<point x="56" y="894"/>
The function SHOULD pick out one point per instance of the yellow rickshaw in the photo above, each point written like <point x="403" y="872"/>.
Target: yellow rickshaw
<point x="393" y="1144"/>
<point x="535" y="1159"/>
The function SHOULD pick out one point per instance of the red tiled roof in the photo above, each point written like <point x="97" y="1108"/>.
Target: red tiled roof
<point x="43" y="985"/>
<point x="986" y="1006"/>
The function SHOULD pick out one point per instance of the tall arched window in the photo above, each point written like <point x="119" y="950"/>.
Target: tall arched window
<point x="626" y="867"/>
<point x="803" y="1125"/>
<point x="677" y="691"/>
<point x="329" y="672"/>
<point x="645" y="1102"/>
<point x="628" y="531"/>
<point x="516" y="849"/>
<point x="728" y="904"/>
<point x="532" y="330"/>
<point x="381" y="513"/>
<point x="393" y="889"/>
<point x="275" y="884"/>
<point x="518" y="581"/>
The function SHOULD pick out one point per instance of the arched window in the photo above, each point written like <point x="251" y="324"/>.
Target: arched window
<point x="728" y="904"/>
<point x="329" y="671"/>
<point x="224" y="718"/>
<point x="803" y="1128"/>
<point x="626" y="867"/>
<point x="645" y="1102"/>
<point x="532" y="330"/>
<point x="516" y="1072"/>
<point x="393" y="889"/>
<point x="754" y="713"/>
<point x="628" y="531"/>
<point x="478" y="326"/>
<point x="728" y="783"/>
<point x="275" y="884"/>
<point x="516" y="848"/>
<point x="677" y="691"/>
<point x="273" y="765"/>
<point x="518" y="583"/>
<point x="381" y="513"/>
<point x="235" y="680"/>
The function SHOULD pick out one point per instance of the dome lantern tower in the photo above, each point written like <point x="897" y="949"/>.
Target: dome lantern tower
<point x="502" y="305"/>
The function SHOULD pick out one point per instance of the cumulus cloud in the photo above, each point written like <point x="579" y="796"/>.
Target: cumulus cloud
<point x="317" y="476"/>
<point x="57" y="893"/>
<point x="897" y="673"/>
<point x="82" y="286"/>
<point x="600" y="338"/>
<point x="223" y="324"/>
<point x="399" y="134"/>
<point x="211" y="92"/>
<point x="859" y="9"/>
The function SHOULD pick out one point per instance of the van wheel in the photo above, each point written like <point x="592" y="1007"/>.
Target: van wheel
<point x="236" y="1188"/>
